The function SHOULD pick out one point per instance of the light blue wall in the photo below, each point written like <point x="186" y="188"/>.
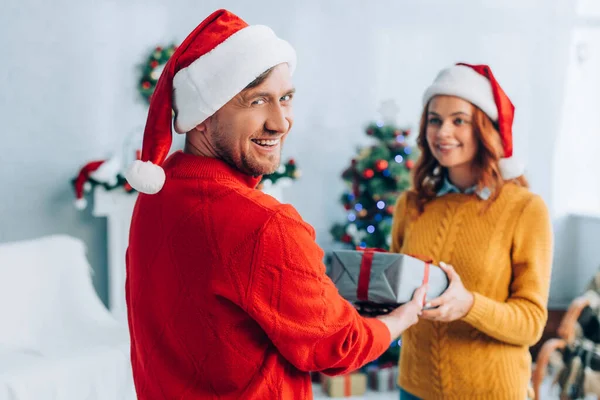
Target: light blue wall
<point x="68" y="75"/>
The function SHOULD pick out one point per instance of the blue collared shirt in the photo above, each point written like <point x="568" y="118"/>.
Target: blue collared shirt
<point x="448" y="187"/>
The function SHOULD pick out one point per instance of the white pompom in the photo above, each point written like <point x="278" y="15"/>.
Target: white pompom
<point x="80" y="204"/>
<point x="511" y="168"/>
<point x="145" y="177"/>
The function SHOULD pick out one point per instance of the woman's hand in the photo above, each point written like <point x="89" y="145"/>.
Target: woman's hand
<point x="454" y="303"/>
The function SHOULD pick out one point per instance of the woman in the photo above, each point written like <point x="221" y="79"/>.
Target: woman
<point x="470" y="206"/>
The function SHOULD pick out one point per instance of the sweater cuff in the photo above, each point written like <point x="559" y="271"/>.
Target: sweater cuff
<point x="479" y="312"/>
<point x="381" y="335"/>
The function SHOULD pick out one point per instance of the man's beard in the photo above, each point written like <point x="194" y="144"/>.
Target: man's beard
<point x="246" y="164"/>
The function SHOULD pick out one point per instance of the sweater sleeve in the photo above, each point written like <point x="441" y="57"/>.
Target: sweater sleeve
<point x="399" y="221"/>
<point x="520" y="320"/>
<point x="299" y="307"/>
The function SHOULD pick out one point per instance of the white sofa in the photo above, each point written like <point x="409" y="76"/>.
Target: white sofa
<point x="57" y="340"/>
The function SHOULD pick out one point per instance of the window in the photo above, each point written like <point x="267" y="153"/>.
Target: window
<point x="577" y="161"/>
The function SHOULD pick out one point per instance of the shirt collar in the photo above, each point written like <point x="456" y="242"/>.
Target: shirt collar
<point x="447" y="187"/>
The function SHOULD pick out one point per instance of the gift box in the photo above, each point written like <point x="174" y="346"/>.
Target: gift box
<point x="377" y="281"/>
<point x="354" y="384"/>
<point x="382" y="379"/>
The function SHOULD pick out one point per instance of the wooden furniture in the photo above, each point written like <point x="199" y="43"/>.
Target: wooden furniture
<point x="553" y="340"/>
<point x="555" y="316"/>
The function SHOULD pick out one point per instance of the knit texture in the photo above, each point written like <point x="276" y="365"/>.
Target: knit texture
<point x="504" y="257"/>
<point x="227" y="294"/>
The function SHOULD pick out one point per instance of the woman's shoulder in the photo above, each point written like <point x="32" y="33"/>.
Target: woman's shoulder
<point x="407" y="200"/>
<point x="514" y="191"/>
<point x="524" y="197"/>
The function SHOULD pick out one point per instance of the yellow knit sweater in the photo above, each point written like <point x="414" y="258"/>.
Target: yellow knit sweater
<point x="504" y="257"/>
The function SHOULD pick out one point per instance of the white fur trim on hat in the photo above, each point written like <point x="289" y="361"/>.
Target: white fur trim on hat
<point x="511" y="168"/>
<point x="80" y="204"/>
<point x="145" y="177"/>
<point x="212" y="80"/>
<point x="464" y="82"/>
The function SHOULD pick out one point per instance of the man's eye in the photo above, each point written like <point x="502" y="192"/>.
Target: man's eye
<point x="258" y="102"/>
<point x="287" y="97"/>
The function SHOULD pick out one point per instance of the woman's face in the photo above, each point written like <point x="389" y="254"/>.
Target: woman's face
<point x="449" y="131"/>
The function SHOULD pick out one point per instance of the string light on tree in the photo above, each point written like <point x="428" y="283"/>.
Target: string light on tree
<point x="381" y="165"/>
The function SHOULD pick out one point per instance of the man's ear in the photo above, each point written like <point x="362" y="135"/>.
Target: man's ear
<point x="201" y="128"/>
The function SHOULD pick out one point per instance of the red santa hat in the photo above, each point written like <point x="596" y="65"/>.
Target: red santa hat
<point x="477" y="85"/>
<point x="213" y="64"/>
<point x="81" y="183"/>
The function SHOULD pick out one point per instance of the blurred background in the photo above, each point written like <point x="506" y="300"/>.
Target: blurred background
<point x="72" y="91"/>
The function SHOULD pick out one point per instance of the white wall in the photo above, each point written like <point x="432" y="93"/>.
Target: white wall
<point x="68" y="88"/>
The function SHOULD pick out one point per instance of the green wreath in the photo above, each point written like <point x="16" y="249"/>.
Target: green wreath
<point x="152" y="69"/>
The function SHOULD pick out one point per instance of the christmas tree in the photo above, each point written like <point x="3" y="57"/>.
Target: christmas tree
<point x="375" y="179"/>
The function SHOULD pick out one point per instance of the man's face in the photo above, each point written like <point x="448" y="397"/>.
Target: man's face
<point x="248" y="132"/>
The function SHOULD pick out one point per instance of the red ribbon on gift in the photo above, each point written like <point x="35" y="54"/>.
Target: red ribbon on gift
<point x="347" y="385"/>
<point x="364" y="276"/>
<point x="428" y="261"/>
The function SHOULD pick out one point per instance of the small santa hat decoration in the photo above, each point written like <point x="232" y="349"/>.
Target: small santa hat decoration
<point x="213" y="64"/>
<point x="81" y="183"/>
<point x="101" y="171"/>
<point x="477" y="85"/>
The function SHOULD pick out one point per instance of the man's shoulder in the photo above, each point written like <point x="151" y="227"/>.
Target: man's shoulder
<point x="263" y="208"/>
<point x="273" y="209"/>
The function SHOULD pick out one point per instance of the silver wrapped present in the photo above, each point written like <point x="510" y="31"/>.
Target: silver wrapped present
<point x="380" y="281"/>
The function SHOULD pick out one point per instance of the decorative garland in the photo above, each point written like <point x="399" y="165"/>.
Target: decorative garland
<point x="287" y="172"/>
<point x="152" y="69"/>
<point x="85" y="181"/>
<point x="119" y="183"/>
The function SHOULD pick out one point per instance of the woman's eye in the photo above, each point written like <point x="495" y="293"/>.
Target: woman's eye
<point x="434" y="121"/>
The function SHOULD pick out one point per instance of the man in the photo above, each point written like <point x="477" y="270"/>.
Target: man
<point x="226" y="291"/>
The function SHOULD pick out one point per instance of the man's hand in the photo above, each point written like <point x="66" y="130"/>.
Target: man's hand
<point x="454" y="303"/>
<point x="406" y="315"/>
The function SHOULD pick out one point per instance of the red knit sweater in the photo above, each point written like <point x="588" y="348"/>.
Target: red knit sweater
<point x="227" y="294"/>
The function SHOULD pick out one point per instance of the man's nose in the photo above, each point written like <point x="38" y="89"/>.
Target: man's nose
<point x="278" y="119"/>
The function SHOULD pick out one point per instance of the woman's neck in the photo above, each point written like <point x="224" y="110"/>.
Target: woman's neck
<point x="462" y="177"/>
